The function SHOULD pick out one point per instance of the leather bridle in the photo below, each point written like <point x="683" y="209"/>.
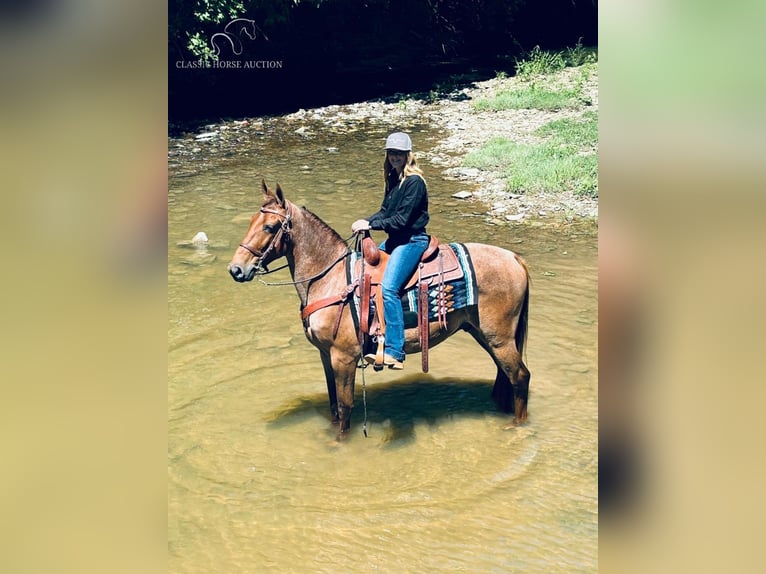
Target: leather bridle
<point x="284" y="229"/>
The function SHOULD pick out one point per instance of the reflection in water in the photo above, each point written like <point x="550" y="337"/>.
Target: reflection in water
<point x="257" y="482"/>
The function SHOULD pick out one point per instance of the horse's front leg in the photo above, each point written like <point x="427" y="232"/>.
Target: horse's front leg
<point x="329" y="375"/>
<point x="344" y="371"/>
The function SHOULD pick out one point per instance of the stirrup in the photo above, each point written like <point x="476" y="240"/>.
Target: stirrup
<point x="388" y="361"/>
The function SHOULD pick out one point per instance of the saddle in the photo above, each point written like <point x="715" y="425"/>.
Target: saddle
<point x="438" y="266"/>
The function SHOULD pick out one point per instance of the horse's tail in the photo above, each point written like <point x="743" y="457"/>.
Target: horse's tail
<point x="521" y="329"/>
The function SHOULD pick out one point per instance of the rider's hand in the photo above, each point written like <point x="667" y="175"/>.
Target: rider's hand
<point x="360" y="225"/>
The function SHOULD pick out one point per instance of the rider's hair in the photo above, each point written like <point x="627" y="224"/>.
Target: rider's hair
<point x="410" y="168"/>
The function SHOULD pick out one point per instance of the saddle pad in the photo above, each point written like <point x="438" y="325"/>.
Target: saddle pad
<point x="460" y="292"/>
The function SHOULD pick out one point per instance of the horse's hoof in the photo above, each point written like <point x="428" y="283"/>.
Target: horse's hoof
<point x="515" y="423"/>
<point x="341" y="437"/>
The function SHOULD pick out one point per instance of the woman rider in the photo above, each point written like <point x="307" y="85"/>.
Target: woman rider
<point x="403" y="216"/>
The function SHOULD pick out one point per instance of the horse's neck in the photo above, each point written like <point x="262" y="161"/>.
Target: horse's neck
<point x="313" y="250"/>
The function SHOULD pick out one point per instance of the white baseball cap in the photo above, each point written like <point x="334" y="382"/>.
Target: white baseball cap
<point x="399" y="141"/>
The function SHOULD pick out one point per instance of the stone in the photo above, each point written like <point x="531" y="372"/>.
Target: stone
<point x="462" y="195"/>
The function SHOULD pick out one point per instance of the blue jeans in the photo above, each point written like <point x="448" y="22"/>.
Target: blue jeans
<point x="403" y="261"/>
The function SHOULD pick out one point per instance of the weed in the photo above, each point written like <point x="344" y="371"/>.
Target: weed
<point x="579" y="55"/>
<point x="539" y="63"/>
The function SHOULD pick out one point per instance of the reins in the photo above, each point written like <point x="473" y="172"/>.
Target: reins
<point x="322" y="273"/>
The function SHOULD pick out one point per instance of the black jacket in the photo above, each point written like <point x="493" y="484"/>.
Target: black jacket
<point x="404" y="211"/>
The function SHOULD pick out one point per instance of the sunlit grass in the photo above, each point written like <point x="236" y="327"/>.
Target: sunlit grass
<point x="565" y="160"/>
<point x="532" y="97"/>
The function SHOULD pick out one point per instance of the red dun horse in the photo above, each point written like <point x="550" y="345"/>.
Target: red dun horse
<point x="315" y="254"/>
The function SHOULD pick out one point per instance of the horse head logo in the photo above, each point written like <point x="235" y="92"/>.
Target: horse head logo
<point x="232" y="34"/>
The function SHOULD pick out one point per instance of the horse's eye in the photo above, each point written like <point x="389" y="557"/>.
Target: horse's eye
<point x="270" y="227"/>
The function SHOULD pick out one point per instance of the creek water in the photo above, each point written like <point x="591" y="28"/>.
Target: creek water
<point x="256" y="482"/>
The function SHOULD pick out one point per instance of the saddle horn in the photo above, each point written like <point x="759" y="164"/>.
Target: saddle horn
<point x="370" y="250"/>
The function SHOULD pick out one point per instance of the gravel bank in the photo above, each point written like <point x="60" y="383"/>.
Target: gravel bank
<point x="467" y="129"/>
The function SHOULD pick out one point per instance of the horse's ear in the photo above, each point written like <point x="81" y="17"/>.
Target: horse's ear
<point x="265" y="188"/>
<point x="280" y="196"/>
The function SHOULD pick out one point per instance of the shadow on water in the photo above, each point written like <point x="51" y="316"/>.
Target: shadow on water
<point x="398" y="405"/>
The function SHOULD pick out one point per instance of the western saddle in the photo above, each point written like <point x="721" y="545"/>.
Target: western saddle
<point x="438" y="266"/>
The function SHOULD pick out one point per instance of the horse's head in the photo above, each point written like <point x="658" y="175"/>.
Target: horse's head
<point x="266" y="239"/>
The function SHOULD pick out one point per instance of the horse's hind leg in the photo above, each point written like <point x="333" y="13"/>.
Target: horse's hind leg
<point x="511" y="389"/>
<point x="329" y="376"/>
<point x="521" y="392"/>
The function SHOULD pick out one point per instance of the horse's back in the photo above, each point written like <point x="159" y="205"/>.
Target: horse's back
<point x="492" y="261"/>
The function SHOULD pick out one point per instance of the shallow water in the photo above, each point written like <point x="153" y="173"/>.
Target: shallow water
<point x="256" y="481"/>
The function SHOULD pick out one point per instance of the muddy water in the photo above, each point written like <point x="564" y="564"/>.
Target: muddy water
<point x="256" y="483"/>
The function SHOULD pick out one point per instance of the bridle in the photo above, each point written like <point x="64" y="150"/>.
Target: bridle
<point x="284" y="229"/>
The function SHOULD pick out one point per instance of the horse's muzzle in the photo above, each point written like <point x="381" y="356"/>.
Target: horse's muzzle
<point x="240" y="275"/>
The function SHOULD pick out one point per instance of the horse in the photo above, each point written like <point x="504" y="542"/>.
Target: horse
<point x="314" y="252"/>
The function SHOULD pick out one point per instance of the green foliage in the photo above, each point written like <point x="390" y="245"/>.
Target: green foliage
<point x="579" y="55"/>
<point x="200" y="47"/>
<point x="192" y="23"/>
<point x="216" y="11"/>
<point x="539" y="63"/>
<point x="565" y="161"/>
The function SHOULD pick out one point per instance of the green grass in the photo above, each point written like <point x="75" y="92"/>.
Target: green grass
<point x="532" y="98"/>
<point x="566" y="158"/>
<point x="540" y="87"/>
<point x="564" y="161"/>
<point x="582" y="133"/>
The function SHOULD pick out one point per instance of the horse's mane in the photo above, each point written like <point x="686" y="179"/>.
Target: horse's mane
<point x="322" y="232"/>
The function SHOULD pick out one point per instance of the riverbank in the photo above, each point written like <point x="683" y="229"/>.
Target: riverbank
<point x="465" y="129"/>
